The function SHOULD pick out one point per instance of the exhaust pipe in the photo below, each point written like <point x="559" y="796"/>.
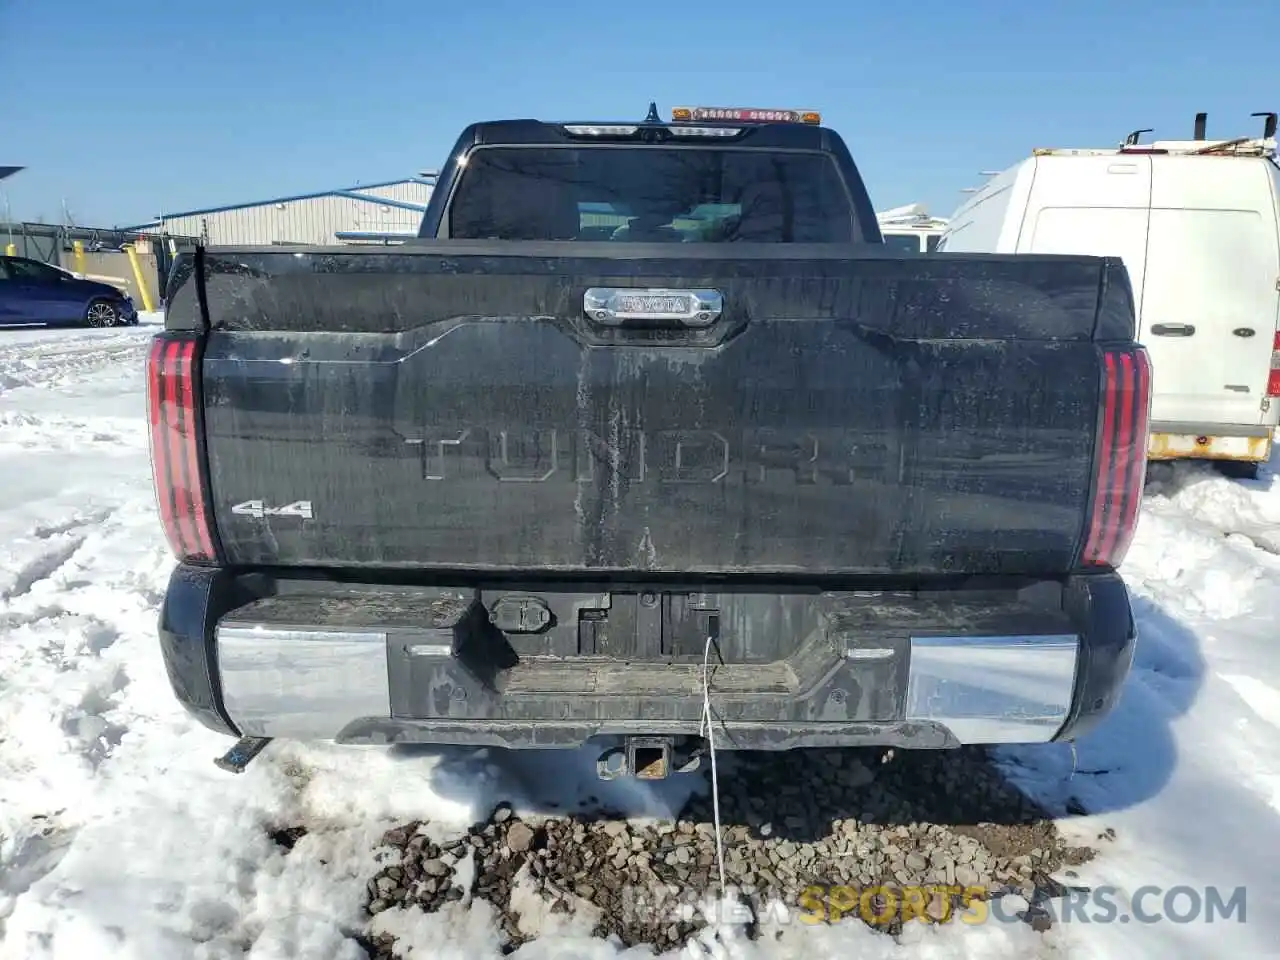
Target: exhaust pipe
<point x="1201" y="123"/>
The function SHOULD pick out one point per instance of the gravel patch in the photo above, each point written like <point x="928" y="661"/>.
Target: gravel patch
<point x="807" y="829"/>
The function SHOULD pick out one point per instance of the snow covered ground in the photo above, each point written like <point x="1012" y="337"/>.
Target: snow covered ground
<point x="120" y="839"/>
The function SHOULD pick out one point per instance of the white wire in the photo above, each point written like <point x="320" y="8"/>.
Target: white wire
<point x="711" y="740"/>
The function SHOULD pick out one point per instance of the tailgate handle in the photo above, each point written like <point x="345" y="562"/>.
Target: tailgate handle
<point x="614" y="306"/>
<point x="1173" y="330"/>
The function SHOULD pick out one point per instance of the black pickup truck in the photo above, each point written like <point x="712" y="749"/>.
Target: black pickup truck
<point x="647" y="412"/>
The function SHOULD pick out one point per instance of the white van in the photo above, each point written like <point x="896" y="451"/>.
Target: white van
<point x="910" y="228"/>
<point x="1195" y="222"/>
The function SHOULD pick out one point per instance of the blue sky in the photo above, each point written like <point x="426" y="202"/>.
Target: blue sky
<point x="125" y="109"/>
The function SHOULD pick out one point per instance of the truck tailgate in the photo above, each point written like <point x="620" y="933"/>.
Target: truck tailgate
<point x="455" y="406"/>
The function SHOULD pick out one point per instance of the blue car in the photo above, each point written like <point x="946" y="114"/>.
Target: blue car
<point x="32" y="292"/>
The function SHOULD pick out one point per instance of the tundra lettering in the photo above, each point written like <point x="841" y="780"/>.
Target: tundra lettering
<point x="532" y="455"/>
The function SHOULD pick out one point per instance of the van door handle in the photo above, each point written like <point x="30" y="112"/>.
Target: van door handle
<point x="1173" y="330"/>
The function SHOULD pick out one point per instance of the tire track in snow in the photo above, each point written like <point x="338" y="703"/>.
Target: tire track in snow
<point x="77" y="587"/>
<point x="63" y="685"/>
<point x="11" y="620"/>
<point x="53" y="631"/>
<point x="21" y="432"/>
<point x="45" y="531"/>
<point x="41" y="567"/>
<point x="70" y="535"/>
<point x="34" y="855"/>
<point x="45" y="363"/>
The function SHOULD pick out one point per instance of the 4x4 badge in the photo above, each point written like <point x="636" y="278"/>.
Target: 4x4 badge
<point x="259" y="509"/>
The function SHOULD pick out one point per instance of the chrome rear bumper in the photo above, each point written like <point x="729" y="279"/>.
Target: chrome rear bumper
<point x="856" y="677"/>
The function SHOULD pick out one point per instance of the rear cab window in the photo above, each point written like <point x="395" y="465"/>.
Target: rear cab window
<point x="648" y="194"/>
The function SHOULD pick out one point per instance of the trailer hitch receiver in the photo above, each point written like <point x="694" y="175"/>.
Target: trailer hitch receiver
<point x="648" y="758"/>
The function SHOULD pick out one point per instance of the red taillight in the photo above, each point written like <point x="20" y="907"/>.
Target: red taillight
<point x="175" y="459"/>
<point x="1273" y="379"/>
<point x="1121" y="458"/>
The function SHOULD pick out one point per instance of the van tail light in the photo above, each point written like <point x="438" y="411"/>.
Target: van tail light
<point x="173" y="398"/>
<point x="1273" y="379"/>
<point x="1121" y="459"/>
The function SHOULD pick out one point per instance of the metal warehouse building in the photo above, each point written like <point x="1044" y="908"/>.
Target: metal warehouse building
<point x="360" y="214"/>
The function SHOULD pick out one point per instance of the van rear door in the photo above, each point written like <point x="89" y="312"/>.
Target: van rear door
<point x="1098" y="206"/>
<point x="1210" y="300"/>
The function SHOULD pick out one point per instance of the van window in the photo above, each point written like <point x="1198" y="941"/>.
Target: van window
<point x="904" y="242"/>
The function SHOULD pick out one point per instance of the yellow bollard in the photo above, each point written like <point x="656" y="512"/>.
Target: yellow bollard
<point x="11" y="250"/>
<point x="78" y="247"/>
<point x="147" y="303"/>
